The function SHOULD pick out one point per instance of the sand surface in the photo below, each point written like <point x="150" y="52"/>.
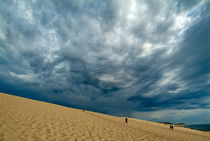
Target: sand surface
<point x="23" y="119"/>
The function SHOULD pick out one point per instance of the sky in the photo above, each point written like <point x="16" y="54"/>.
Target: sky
<point x="147" y="59"/>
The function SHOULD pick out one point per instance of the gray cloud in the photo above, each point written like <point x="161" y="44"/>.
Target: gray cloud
<point x="112" y="56"/>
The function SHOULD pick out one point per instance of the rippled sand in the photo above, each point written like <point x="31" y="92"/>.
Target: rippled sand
<point x="23" y="119"/>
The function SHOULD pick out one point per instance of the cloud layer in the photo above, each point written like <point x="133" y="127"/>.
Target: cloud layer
<point x="119" y="57"/>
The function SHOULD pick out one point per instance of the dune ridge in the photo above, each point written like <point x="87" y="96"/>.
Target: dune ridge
<point x="24" y="119"/>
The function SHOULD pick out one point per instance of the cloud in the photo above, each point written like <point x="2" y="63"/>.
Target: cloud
<point x="195" y="116"/>
<point x="111" y="56"/>
<point x="25" y="77"/>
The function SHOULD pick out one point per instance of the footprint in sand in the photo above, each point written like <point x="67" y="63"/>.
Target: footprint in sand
<point x="1" y="137"/>
<point x="37" y="138"/>
<point x="1" y="125"/>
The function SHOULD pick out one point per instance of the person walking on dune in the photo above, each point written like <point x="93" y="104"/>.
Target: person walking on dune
<point x="171" y="127"/>
<point x="126" y="120"/>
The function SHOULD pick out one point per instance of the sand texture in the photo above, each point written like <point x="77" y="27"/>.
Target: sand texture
<point x="23" y="119"/>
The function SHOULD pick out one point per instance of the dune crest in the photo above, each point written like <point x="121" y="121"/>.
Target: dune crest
<point x="24" y="119"/>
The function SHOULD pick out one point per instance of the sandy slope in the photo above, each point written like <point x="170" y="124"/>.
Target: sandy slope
<point x="29" y="120"/>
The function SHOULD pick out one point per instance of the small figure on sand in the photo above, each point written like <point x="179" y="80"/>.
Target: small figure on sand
<point x="171" y="127"/>
<point x="83" y="109"/>
<point x="126" y="120"/>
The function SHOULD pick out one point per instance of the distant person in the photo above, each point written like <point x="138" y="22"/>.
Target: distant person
<point x="126" y="120"/>
<point x="171" y="126"/>
<point x="83" y="109"/>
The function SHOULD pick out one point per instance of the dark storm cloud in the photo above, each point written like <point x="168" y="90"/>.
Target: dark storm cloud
<point x="109" y="56"/>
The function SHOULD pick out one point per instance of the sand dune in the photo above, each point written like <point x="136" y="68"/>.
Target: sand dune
<point x="23" y="119"/>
